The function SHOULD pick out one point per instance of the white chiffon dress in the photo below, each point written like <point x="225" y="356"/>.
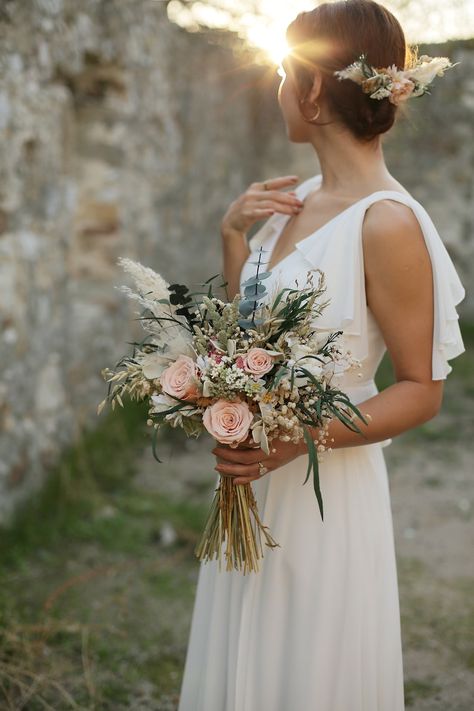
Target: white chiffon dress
<point x="318" y="627"/>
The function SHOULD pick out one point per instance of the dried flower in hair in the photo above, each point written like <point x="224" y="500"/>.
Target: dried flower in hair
<point x="395" y="84"/>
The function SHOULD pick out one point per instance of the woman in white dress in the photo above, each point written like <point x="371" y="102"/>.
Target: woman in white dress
<point x="318" y="627"/>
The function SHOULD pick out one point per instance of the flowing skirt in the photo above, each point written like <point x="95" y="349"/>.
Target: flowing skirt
<point x="318" y="627"/>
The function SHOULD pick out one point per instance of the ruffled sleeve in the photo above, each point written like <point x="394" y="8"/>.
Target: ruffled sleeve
<point x="338" y="252"/>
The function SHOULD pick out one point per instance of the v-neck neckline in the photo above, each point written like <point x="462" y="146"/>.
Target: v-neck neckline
<point x="280" y="227"/>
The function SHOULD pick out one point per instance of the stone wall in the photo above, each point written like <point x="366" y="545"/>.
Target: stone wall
<point x="122" y="134"/>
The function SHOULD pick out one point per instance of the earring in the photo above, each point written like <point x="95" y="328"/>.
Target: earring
<point x="316" y="115"/>
<point x="310" y="119"/>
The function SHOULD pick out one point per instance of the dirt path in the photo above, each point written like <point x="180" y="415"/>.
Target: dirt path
<point x="432" y="491"/>
<point x="96" y="609"/>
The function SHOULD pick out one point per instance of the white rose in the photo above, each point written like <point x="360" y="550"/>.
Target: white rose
<point x="162" y="402"/>
<point x="298" y="351"/>
<point x="153" y="364"/>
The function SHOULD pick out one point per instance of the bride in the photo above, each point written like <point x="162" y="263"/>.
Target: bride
<point x="318" y="627"/>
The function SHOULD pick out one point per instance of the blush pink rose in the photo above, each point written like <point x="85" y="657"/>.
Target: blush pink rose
<point x="401" y="91"/>
<point x="228" y="422"/>
<point x="257" y="361"/>
<point x="180" y="379"/>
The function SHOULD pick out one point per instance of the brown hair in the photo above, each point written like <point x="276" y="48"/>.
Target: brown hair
<point x="334" y="35"/>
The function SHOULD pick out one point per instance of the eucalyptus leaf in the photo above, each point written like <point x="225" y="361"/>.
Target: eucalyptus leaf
<point x="252" y="281"/>
<point x="256" y="290"/>
<point x="245" y="323"/>
<point x="246" y="307"/>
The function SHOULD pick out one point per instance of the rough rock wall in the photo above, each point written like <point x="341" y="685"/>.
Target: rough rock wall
<point x="122" y="134"/>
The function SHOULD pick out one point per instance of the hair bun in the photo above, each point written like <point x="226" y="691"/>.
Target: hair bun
<point x="329" y="38"/>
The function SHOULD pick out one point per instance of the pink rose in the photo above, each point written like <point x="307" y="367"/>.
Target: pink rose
<point x="180" y="379"/>
<point x="257" y="361"/>
<point x="228" y="422"/>
<point x="401" y="91"/>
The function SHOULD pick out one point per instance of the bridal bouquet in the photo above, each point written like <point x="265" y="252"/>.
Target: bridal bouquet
<point x="253" y="369"/>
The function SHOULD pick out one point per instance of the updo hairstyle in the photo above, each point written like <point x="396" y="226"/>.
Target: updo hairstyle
<point x="334" y="35"/>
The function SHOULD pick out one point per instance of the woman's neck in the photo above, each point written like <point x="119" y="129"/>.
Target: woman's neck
<point x="350" y="168"/>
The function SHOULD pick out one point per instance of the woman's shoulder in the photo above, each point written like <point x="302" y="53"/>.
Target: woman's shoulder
<point x="391" y="226"/>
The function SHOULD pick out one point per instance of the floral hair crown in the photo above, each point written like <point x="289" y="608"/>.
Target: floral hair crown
<point x="396" y="84"/>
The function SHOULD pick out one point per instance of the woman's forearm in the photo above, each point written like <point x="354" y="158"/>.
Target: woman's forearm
<point x="235" y="251"/>
<point x="399" y="407"/>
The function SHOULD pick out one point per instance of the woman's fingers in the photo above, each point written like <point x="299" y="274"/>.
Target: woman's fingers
<point x="259" y="202"/>
<point x="288" y="197"/>
<point x="240" y="473"/>
<point x="288" y="207"/>
<point x="286" y="203"/>
<point x="263" y="196"/>
<point x="239" y="456"/>
<point x="259" y="213"/>
<point x="282" y="181"/>
<point x="237" y="469"/>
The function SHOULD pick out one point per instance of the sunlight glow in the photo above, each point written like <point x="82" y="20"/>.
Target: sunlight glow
<point x="274" y="44"/>
<point x="269" y="34"/>
<point x="263" y="22"/>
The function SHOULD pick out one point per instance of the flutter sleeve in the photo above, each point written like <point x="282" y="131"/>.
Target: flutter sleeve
<point x="340" y="255"/>
<point x="448" y="293"/>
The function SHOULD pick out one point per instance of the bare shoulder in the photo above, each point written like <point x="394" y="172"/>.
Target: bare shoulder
<point x="393" y="240"/>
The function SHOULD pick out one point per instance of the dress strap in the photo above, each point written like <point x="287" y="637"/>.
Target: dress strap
<point x="340" y="256"/>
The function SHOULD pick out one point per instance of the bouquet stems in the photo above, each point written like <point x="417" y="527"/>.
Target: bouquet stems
<point x="230" y="521"/>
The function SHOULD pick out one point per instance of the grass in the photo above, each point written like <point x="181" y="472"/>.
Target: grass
<point x="86" y="585"/>
<point x="95" y="607"/>
<point x="437" y="617"/>
<point x="85" y="478"/>
<point x="419" y="689"/>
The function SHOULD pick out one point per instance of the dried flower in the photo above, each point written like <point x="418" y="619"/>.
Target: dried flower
<point x="393" y="83"/>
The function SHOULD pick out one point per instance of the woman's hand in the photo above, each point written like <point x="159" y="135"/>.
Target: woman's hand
<point x="241" y="463"/>
<point x="256" y="203"/>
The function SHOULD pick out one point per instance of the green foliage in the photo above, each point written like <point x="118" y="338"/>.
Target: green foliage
<point x="254" y="293"/>
<point x="84" y="579"/>
<point x="102" y="460"/>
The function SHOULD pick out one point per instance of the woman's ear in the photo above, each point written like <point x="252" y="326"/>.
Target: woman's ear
<point x="315" y="90"/>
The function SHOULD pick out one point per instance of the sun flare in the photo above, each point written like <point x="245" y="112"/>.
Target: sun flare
<point x="274" y="44"/>
<point x="263" y="23"/>
<point x="269" y="33"/>
<point x="423" y="21"/>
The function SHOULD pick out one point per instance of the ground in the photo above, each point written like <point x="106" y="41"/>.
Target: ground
<point x="98" y="575"/>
